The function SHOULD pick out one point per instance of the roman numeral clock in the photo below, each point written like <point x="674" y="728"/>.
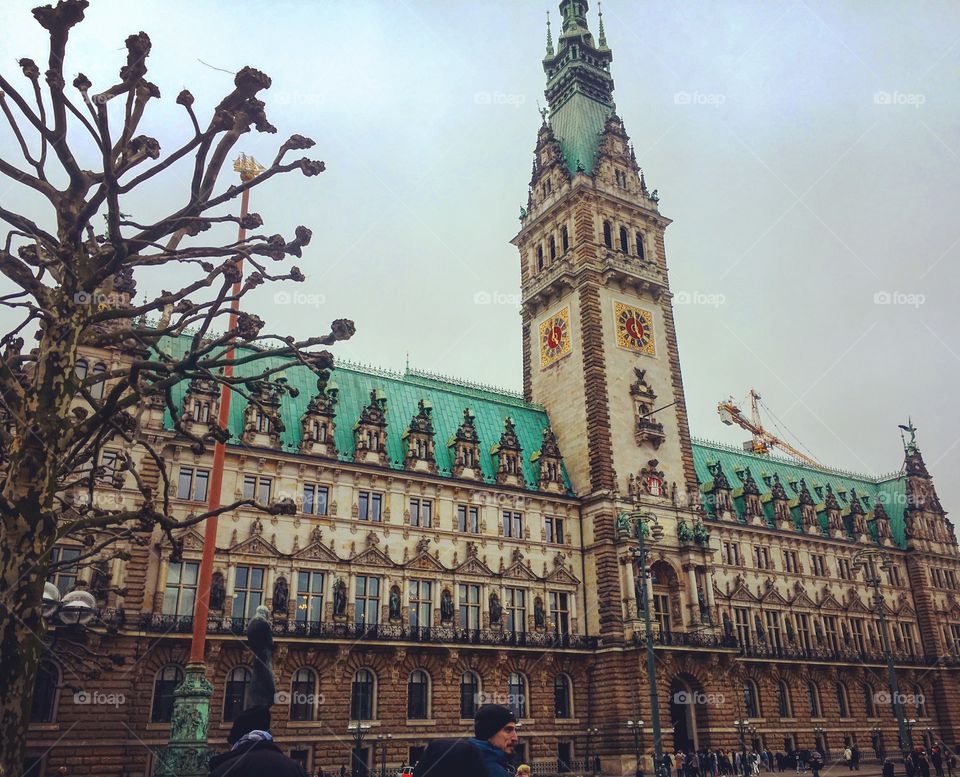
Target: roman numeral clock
<point x="634" y="328"/>
<point x="555" y="337"/>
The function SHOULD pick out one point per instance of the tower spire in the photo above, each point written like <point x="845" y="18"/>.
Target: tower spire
<point x="601" y="35"/>
<point x="550" y="51"/>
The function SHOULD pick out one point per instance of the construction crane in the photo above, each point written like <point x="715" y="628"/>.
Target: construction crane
<point x="762" y="440"/>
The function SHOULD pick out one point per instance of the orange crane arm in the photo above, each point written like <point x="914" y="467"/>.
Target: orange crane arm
<point x="762" y="439"/>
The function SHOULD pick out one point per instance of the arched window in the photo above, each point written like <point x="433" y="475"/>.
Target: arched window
<point x="96" y="390"/>
<point x="751" y="698"/>
<point x="784" y="705"/>
<point x="418" y="696"/>
<point x="624" y="243"/>
<point x="607" y="234"/>
<point x="868" y="705"/>
<point x="237" y="691"/>
<point x="843" y="702"/>
<point x="562" y="696"/>
<point x="80" y="369"/>
<point x="919" y="702"/>
<point x="517" y="695"/>
<point x="641" y="253"/>
<point x="362" y="695"/>
<point x="45" y="692"/>
<point x="565" y="239"/>
<point x="303" y="695"/>
<point x="469" y="693"/>
<point x="553" y="248"/>
<point x="164" y="684"/>
<point x="813" y="697"/>
<point x="539" y="257"/>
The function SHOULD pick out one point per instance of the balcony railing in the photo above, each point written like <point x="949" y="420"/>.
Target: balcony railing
<point x="841" y="655"/>
<point x="379" y="632"/>
<point x="697" y="639"/>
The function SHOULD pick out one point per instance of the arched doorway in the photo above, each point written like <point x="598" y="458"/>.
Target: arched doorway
<point x="688" y="714"/>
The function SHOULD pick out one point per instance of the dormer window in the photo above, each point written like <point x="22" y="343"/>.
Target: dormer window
<point x="624" y="244"/>
<point x="607" y="234"/>
<point x="201" y="411"/>
<point x="621" y="178"/>
<point x="263" y="422"/>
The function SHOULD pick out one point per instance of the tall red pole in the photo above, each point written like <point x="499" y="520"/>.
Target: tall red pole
<point x="201" y="610"/>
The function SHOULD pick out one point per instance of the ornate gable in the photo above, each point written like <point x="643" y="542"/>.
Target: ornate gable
<point x="509" y="456"/>
<point x="474" y="566"/>
<point x="519" y="571"/>
<point x="418" y="436"/>
<point x="829" y="602"/>
<point x="426" y="563"/>
<point x="255" y="545"/>
<point x="372" y="556"/>
<point x="261" y="418"/>
<point x="318" y="424"/>
<point x="191" y="539"/>
<point x="647" y="430"/>
<point x="562" y="575"/>
<point x="370" y="431"/>
<point x="316" y="550"/>
<point x="802" y="599"/>
<point x="549" y="463"/>
<point x="466" y="448"/>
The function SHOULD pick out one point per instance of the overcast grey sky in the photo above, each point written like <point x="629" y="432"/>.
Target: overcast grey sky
<point x="807" y="151"/>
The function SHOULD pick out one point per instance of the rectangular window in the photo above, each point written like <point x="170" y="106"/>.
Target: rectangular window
<point x="512" y="524"/>
<point x="560" y="611"/>
<point x="180" y="593"/>
<point x="731" y="553"/>
<point x="315" y="499"/>
<point x="468" y="519"/>
<point x="64" y="578"/>
<point x="843" y="568"/>
<point x="247" y="591"/>
<point x="661" y="613"/>
<point x="774" y="637"/>
<point x="952" y="579"/>
<point x="830" y="627"/>
<point x="955" y="637"/>
<point x="818" y="564"/>
<point x="309" y="597"/>
<point x="257" y="488"/>
<point x="192" y="484"/>
<point x="201" y="411"/>
<point x="937" y="577"/>
<point x="906" y="631"/>
<point x="421" y="603"/>
<point x="761" y="557"/>
<point x="370" y="506"/>
<point x="469" y="606"/>
<point x="554" y="530"/>
<point x="790" y="561"/>
<point x="741" y="620"/>
<point x="856" y="625"/>
<point x="803" y="631"/>
<point x="516" y="610"/>
<point x="894" y="575"/>
<point x="367" y="604"/>
<point x="421" y="513"/>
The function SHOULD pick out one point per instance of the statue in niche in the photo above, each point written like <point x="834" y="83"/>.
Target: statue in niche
<point x="539" y="614"/>
<point x="218" y="591"/>
<point x="281" y="593"/>
<point x="496" y="610"/>
<point x="339" y="598"/>
<point x="394" y="604"/>
<point x="263" y="688"/>
<point x="727" y="625"/>
<point x="446" y="605"/>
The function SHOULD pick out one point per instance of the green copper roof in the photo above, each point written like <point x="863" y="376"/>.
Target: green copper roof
<point x="403" y="391"/>
<point x="578" y="126"/>
<point x="890" y="489"/>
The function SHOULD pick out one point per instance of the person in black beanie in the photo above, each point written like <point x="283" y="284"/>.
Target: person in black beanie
<point x="252" y="751"/>
<point x="495" y="736"/>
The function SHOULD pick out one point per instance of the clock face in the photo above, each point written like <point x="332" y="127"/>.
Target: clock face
<point x="555" y="337"/>
<point x="634" y="328"/>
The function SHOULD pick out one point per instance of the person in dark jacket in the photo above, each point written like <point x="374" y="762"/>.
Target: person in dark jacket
<point x="252" y="751"/>
<point x="888" y="770"/>
<point x="450" y="758"/>
<point x="495" y="736"/>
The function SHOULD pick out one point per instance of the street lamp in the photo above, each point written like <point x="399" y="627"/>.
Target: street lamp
<point x="743" y="727"/>
<point x="77" y="608"/>
<point x="635" y="726"/>
<point x="358" y="732"/>
<point x="876" y="734"/>
<point x="870" y="561"/>
<point x="384" y="739"/>
<point x="591" y="730"/>
<point x="639" y="524"/>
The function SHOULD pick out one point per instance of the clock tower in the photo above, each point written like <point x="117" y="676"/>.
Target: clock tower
<point x="599" y="343"/>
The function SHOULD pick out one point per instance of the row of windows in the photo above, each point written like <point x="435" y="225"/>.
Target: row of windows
<point x="914" y="703"/>
<point x="181" y="589"/>
<point x="944" y="578"/>
<point x="829" y="631"/>
<point x="193" y="482"/>
<point x="624" y="240"/>
<point x="551" y="248"/>
<point x="82" y="369"/>
<point x="305" y="700"/>
<point x="762" y="558"/>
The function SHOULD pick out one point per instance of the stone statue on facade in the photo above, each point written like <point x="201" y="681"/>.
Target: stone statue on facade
<point x="263" y="688"/>
<point x="496" y="610"/>
<point x="218" y="592"/>
<point x="539" y="615"/>
<point x="281" y="593"/>
<point x="446" y="605"/>
<point x="394" y="604"/>
<point x="339" y="598"/>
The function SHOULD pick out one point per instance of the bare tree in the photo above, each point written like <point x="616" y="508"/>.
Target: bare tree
<point x="56" y="420"/>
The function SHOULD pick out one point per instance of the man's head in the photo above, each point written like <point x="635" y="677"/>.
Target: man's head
<point x="253" y="719"/>
<point x="498" y="725"/>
